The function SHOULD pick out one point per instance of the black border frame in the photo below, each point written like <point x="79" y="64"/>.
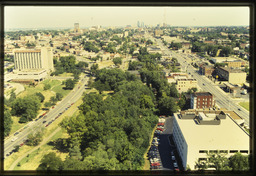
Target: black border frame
<point x="177" y="3"/>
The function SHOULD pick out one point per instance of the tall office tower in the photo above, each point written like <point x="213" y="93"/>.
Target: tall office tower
<point x="76" y="27"/>
<point x="33" y="59"/>
<point x="142" y="24"/>
<point x="138" y="24"/>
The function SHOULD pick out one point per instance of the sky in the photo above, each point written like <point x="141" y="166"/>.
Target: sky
<point x="55" y="17"/>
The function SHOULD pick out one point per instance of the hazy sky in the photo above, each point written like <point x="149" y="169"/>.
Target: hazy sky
<point x="38" y="17"/>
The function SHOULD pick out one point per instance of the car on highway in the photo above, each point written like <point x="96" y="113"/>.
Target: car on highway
<point x="16" y="133"/>
<point x="239" y="109"/>
<point x="175" y="165"/>
<point x="173" y="158"/>
<point x="203" y="84"/>
<point x="14" y="139"/>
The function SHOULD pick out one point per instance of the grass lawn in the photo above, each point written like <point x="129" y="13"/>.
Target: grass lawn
<point x="32" y="161"/>
<point x="8" y="161"/>
<point x="245" y="105"/>
<point x="65" y="75"/>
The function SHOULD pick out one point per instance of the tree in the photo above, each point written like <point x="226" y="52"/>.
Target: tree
<point x="167" y="106"/>
<point x="58" y="96"/>
<point x="7" y="122"/>
<point x="218" y="161"/>
<point x="50" y="162"/>
<point x="40" y="96"/>
<point x="70" y="84"/>
<point x="90" y="82"/>
<point x="239" y="162"/>
<point x="26" y="107"/>
<point x="34" y="138"/>
<point x="16" y="148"/>
<point x="53" y="100"/>
<point x="101" y="86"/>
<point x="82" y="64"/>
<point x="94" y="68"/>
<point x="47" y="104"/>
<point x="12" y="98"/>
<point x="117" y="61"/>
<point x="47" y="86"/>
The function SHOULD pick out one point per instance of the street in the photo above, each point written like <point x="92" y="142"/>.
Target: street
<point x="33" y="126"/>
<point x="221" y="98"/>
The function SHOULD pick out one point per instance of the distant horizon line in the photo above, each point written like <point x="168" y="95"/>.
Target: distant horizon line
<point x="86" y="27"/>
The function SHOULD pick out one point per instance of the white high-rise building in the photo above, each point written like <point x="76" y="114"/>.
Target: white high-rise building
<point x="33" y="59"/>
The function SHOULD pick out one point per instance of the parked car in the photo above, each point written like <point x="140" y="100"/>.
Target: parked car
<point x="44" y="121"/>
<point x="175" y="165"/>
<point x="173" y="158"/>
<point x="16" y="133"/>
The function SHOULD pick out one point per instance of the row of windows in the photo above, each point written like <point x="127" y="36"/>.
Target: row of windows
<point x="223" y="151"/>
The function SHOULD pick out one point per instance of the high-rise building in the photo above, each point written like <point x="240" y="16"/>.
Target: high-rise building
<point x="76" y="27"/>
<point x="138" y="24"/>
<point x="33" y="59"/>
<point x="142" y="24"/>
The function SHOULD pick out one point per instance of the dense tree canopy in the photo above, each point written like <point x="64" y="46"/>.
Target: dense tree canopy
<point x="27" y="108"/>
<point x="7" y="121"/>
<point x="108" y="130"/>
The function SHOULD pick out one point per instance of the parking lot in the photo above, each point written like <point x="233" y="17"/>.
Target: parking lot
<point x="162" y="154"/>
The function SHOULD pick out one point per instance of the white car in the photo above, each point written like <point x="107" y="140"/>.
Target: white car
<point x="14" y="139"/>
<point x="175" y="164"/>
<point x="173" y="158"/>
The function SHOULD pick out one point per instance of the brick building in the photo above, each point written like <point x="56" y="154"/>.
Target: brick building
<point x="200" y="100"/>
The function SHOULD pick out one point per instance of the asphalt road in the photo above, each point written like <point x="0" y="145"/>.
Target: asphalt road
<point x="221" y="99"/>
<point x="33" y="126"/>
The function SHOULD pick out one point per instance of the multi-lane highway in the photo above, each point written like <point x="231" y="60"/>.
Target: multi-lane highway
<point x="47" y="119"/>
<point x="221" y="99"/>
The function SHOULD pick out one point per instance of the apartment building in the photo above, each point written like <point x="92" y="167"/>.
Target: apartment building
<point x="197" y="133"/>
<point x="200" y="100"/>
<point x="184" y="84"/>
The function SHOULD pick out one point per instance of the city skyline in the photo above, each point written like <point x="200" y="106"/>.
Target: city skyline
<point x="65" y="17"/>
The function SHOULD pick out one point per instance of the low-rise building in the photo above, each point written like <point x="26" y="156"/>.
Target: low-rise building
<point x="200" y="100"/>
<point x="199" y="132"/>
<point x="206" y="70"/>
<point x="183" y="85"/>
<point x="233" y="76"/>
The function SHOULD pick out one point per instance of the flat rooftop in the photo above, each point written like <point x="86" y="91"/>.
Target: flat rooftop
<point x="232" y="70"/>
<point x="225" y="136"/>
<point x="202" y="94"/>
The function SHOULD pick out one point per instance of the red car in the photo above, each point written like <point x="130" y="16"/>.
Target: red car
<point x="21" y="144"/>
<point x="160" y="124"/>
<point x="160" y="129"/>
<point x="46" y="125"/>
<point x="53" y="107"/>
<point x="155" y="164"/>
